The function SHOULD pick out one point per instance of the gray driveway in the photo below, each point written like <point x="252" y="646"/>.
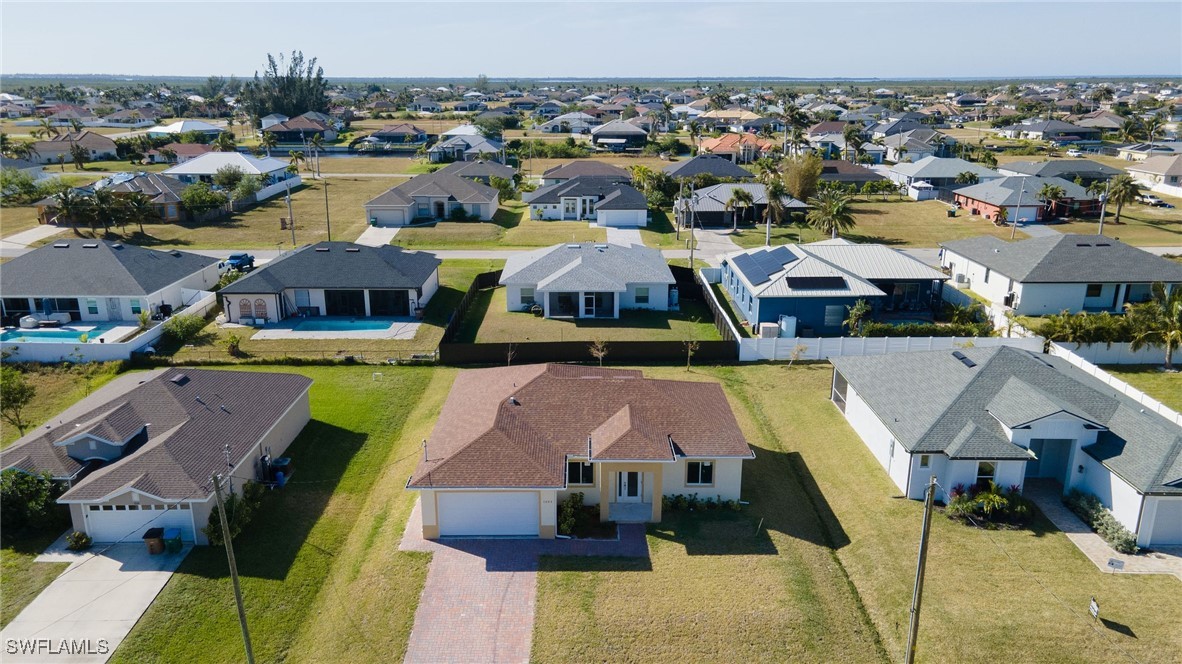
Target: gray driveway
<point x="91" y="607"/>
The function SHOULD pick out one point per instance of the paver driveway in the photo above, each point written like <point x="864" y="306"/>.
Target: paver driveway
<point x="478" y="601"/>
<point x="91" y="607"/>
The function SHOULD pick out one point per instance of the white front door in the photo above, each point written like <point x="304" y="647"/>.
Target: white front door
<point x="630" y="487"/>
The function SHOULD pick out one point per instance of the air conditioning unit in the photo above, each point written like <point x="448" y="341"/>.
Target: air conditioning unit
<point x="769" y="330"/>
<point x="961" y="279"/>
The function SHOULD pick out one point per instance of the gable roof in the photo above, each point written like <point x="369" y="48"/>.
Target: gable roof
<point x="78" y="268"/>
<point x="1062" y="168"/>
<point x="1021" y="188"/>
<point x="942" y="168"/>
<point x="299" y="123"/>
<point x="516" y="426"/>
<point x="618" y="127"/>
<point x="732" y="142"/>
<point x="1160" y="165"/>
<point x="713" y="164"/>
<point x="161" y="189"/>
<point x="438" y="183"/>
<point x="184" y="126"/>
<point x="479" y="168"/>
<point x="340" y="265"/>
<point x="933" y="402"/>
<point x="86" y="138"/>
<point x="587" y="266"/>
<point x="586" y="167"/>
<point x="186" y="431"/>
<point x="210" y="162"/>
<point x="1067" y="259"/>
<point x="714" y="198"/>
<point x="608" y="191"/>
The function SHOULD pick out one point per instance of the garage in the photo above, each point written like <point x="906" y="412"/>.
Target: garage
<point x="618" y="218"/>
<point x="127" y="523"/>
<point x="1167" y="523"/>
<point x="487" y="513"/>
<point x="388" y="217"/>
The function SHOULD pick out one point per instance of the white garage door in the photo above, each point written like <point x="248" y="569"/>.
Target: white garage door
<point x="128" y="525"/>
<point x="388" y="217"/>
<point x="1167" y="523"/>
<point x="488" y="513"/>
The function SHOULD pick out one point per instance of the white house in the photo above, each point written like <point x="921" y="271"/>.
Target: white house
<point x="605" y="201"/>
<point x="184" y="127"/>
<point x="1047" y="275"/>
<point x="1010" y="416"/>
<point x="587" y="280"/>
<point x="512" y="442"/>
<point x="1161" y="174"/>
<point x="277" y="178"/>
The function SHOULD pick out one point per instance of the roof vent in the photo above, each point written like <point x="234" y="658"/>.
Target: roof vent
<point x="179" y="379"/>
<point x="352" y="250"/>
<point x="963" y="359"/>
<point x="117" y="245"/>
<point x="1083" y="244"/>
<point x="601" y="247"/>
<point x="90" y="245"/>
<point x="1103" y="244"/>
<point x="572" y="246"/>
<point x="61" y="245"/>
<point x="324" y="249"/>
<point x="514" y="401"/>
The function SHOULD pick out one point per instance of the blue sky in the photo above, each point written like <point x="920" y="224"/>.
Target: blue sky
<point x="600" y="39"/>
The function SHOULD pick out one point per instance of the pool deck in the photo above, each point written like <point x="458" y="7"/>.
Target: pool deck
<point x="121" y="332"/>
<point x="400" y="328"/>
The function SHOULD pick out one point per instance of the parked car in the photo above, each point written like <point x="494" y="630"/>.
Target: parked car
<point x="241" y="262"/>
<point x="1074" y="153"/>
<point x="1150" y="199"/>
<point x="959" y="125"/>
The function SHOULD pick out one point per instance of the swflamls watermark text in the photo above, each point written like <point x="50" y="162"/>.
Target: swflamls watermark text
<point x="57" y="647"/>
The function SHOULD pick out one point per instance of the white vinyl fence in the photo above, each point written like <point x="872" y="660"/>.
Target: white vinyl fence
<point x="198" y="302"/>
<point x="80" y="352"/>
<point x="822" y="348"/>
<point x="1147" y="402"/>
<point x="1117" y="353"/>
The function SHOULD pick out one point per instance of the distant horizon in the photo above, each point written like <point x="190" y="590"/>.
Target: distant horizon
<point x="792" y="41"/>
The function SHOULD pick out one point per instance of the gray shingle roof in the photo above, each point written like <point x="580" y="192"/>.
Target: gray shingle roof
<point x="587" y="266"/>
<point x="942" y="167"/>
<point x="436" y="184"/>
<point x="1063" y="168"/>
<point x="479" y="169"/>
<point x="185" y="437"/>
<point x="1067" y="259"/>
<point x="1011" y="190"/>
<point x="714" y="198"/>
<point x="586" y="167"/>
<point x="713" y="164"/>
<point x="336" y="265"/>
<point x="932" y="402"/>
<point x="74" y="267"/>
<point x="611" y="193"/>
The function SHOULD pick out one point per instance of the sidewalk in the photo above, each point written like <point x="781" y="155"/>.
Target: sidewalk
<point x="377" y="236"/>
<point x="23" y="239"/>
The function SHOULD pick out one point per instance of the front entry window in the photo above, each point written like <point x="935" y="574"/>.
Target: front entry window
<point x="580" y="473"/>
<point x="986" y="472"/>
<point x="699" y="473"/>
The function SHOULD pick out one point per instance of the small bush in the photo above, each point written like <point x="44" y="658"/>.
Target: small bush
<point x="183" y="328"/>
<point x="988" y="505"/>
<point x="458" y="214"/>
<point x="228" y="278"/>
<point x="568" y="513"/>
<point x="878" y="329"/>
<point x="240" y="508"/>
<point x="28" y="500"/>
<point x="78" y="541"/>
<point x="1089" y="508"/>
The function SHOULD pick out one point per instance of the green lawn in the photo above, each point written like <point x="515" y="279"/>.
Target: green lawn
<point x="489" y="322"/>
<point x="17" y="218"/>
<point x="661" y="234"/>
<point x="1164" y="386"/>
<point x="1140" y="225"/>
<point x="259" y="226"/>
<point x="57" y="387"/>
<point x="510" y="229"/>
<point x="398" y="165"/>
<point x="830" y="512"/>
<point x="895" y="222"/>
<point x="122" y="166"/>
<point x="21" y="579"/>
<point x="454" y="276"/>
<point x="322" y="578"/>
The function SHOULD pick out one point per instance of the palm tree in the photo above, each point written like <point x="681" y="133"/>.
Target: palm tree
<point x="268" y="141"/>
<point x="316" y="144"/>
<point x="1158" y="322"/>
<point x="138" y="208"/>
<point x="1122" y="190"/>
<point x="852" y="137"/>
<point x="47" y="128"/>
<point x="967" y="177"/>
<point x="1130" y="130"/>
<point x="1001" y="216"/>
<point x="695" y="132"/>
<point x="105" y="209"/>
<point x="1051" y="194"/>
<point x="1153" y="126"/>
<point x="296" y="158"/>
<point x="831" y="212"/>
<point x="78" y="154"/>
<point x="776" y="191"/>
<point x="225" y="143"/>
<point x="72" y="206"/>
<point x="739" y="201"/>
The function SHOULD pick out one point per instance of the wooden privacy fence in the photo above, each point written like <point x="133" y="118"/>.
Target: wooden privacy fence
<point x="481" y="282"/>
<point x="618" y="352"/>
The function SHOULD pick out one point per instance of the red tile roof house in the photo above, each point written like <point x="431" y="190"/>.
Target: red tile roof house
<point x="140" y="452"/>
<point x="512" y="442"/>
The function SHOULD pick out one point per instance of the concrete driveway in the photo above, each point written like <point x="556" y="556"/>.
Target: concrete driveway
<point x="85" y="613"/>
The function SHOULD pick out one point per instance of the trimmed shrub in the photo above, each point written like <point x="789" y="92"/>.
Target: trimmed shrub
<point x="240" y="508"/>
<point x="988" y="505"/>
<point x="78" y="541"/>
<point x="1089" y="508"/>
<point x="877" y="329"/>
<point x="569" y="513"/>
<point x="184" y="327"/>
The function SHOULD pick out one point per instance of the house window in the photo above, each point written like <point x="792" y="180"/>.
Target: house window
<point x="1094" y="290"/>
<point x="91" y="306"/>
<point x="986" y="472"/>
<point x="642" y="295"/>
<point x="925" y="461"/>
<point x="580" y="472"/>
<point x="834" y="315"/>
<point x="527" y="296"/>
<point x="987" y="270"/>
<point x="135" y="307"/>
<point x="699" y="473"/>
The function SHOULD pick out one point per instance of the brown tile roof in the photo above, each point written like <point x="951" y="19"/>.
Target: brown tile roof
<point x="515" y="426"/>
<point x="86" y="138"/>
<point x="184" y="149"/>
<point x="729" y="142"/>
<point x="298" y="123"/>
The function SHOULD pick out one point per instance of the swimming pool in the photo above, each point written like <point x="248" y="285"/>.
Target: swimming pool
<point x="342" y="324"/>
<point x="56" y="335"/>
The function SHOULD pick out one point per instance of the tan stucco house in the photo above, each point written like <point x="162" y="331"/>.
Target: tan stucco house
<point x="513" y="442"/>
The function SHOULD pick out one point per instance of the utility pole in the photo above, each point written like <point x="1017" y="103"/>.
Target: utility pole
<point x="1104" y="204"/>
<point x="327" y="222"/>
<point x="917" y="594"/>
<point x="1017" y="213"/>
<point x="693" y="215"/>
<point x="217" y="492"/>
<point x="290" y="217"/>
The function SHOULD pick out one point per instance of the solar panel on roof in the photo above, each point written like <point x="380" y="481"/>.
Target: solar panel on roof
<point x="783" y="255"/>
<point x="767" y="262"/>
<point x="745" y="264"/>
<point x="816" y="283"/>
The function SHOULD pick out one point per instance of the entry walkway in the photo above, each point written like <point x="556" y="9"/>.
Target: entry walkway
<point x="479" y="598"/>
<point x="94" y="603"/>
<point x="1048" y="497"/>
<point x="377" y="236"/>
